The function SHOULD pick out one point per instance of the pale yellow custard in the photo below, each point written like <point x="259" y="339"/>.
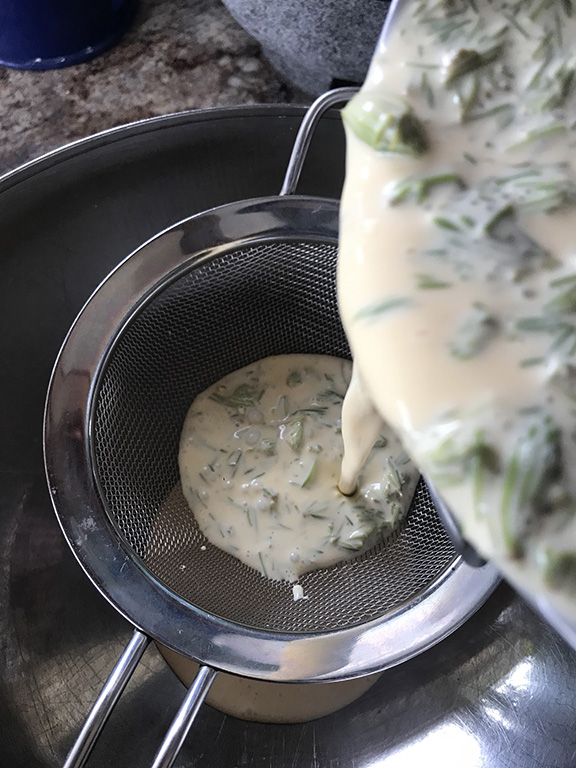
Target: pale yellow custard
<point x="260" y="459"/>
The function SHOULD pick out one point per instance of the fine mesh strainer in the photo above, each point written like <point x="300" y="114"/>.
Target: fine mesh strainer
<point x="210" y="295"/>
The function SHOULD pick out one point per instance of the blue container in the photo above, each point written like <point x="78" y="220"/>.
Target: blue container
<point x="47" y="34"/>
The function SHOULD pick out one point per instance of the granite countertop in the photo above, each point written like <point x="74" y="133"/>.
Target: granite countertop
<point x="177" y="55"/>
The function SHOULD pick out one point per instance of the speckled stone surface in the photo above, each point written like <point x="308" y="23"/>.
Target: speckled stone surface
<point x="315" y="45"/>
<point x="178" y="55"/>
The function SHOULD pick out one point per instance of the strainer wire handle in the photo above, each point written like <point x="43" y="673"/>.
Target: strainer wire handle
<point x="106" y="701"/>
<point x="306" y="132"/>
<point x="185" y="717"/>
<point x="111" y="692"/>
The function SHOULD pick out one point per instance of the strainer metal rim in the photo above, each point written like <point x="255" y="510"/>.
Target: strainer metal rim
<point x="100" y="550"/>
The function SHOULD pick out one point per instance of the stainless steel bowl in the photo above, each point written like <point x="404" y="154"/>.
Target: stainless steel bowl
<point x="500" y="691"/>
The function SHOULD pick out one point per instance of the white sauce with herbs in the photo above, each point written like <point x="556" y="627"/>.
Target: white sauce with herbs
<point x="260" y="458"/>
<point x="457" y="268"/>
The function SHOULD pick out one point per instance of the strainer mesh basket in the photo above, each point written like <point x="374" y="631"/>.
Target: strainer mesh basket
<point x="222" y="313"/>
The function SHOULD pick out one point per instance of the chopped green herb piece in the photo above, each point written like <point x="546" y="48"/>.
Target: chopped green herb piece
<point x="452" y="460"/>
<point x="530" y="362"/>
<point x="429" y="282"/>
<point x="198" y="497"/>
<point x="243" y="396"/>
<point x="381" y="308"/>
<point x="544" y="50"/>
<point x="518" y="176"/>
<point x="505" y="110"/>
<point x="468" y="93"/>
<point x="559" y="570"/>
<point x="446" y="224"/>
<point x="564" y="303"/>
<point x="563" y="80"/>
<point x="564" y="378"/>
<point x="282" y="408"/>
<point x="538" y="134"/>
<point x="541" y="6"/>
<point x="316" y="511"/>
<point x="427" y="90"/>
<point x="504" y="229"/>
<point x="294" y="433"/>
<point x="502" y="214"/>
<point x="510" y="538"/>
<point x="268" y="446"/>
<point x="475" y="331"/>
<point x="234" y="460"/>
<point x="515" y="23"/>
<point x="394" y="482"/>
<point x="537" y="324"/>
<point x="567" y="280"/>
<point x="418" y="189"/>
<point x="353" y="541"/>
<point x="310" y="474"/>
<point x="294" y="378"/>
<point x="466" y="61"/>
<point x="483" y="458"/>
<point x="386" y="124"/>
<point x="261" y="558"/>
<point x="528" y="491"/>
<point x="331" y="395"/>
<point x="565" y="338"/>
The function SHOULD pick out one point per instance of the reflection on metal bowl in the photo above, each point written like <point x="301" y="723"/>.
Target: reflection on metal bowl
<point x="262" y="702"/>
<point x="500" y="690"/>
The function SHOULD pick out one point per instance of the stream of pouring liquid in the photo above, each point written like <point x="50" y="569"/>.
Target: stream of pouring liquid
<point x="361" y="426"/>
